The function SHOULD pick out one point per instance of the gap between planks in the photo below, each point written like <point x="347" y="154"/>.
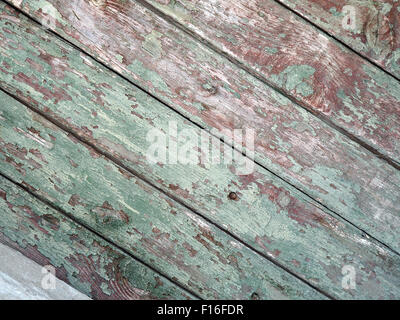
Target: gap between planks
<point x="239" y="64"/>
<point x="143" y="178"/>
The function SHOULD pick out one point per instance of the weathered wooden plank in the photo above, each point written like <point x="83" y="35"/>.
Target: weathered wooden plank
<point x="321" y="74"/>
<point x="132" y="214"/>
<point x="269" y="214"/>
<point x="212" y="92"/>
<point x="80" y="258"/>
<point x="372" y="31"/>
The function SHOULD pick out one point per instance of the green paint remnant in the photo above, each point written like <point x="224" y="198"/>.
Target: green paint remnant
<point x="294" y="77"/>
<point x="152" y="44"/>
<point x="105" y="288"/>
<point x="120" y="58"/>
<point x="334" y="12"/>
<point x="383" y="82"/>
<point x="76" y="250"/>
<point x="212" y="184"/>
<point x="105" y="187"/>
<point x="348" y="72"/>
<point x="386" y="8"/>
<point x="395" y="59"/>
<point x="207" y="86"/>
<point x="270" y="50"/>
<point x="158" y="83"/>
<point x="304" y="89"/>
<point x="228" y="37"/>
<point x="228" y="88"/>
<point x="347" y="101"/>
<point x="177" y="9"/>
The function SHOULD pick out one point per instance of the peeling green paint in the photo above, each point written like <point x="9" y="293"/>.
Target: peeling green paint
<point x="87" y="262"/>
<point x="156" y="227"/>
<point x="152" y="44"/>
<point x="270" y="50"/>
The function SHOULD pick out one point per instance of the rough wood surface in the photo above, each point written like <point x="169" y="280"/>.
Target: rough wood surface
<point x="129" y="212"/>
<point x="316" y="70"/>
<point x="270" y="215"/>
<point x="81" y="259"/>
<point x="214" y="93"/>
<point x="376" y="26"/>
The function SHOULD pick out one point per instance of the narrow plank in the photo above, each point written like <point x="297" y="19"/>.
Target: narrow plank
<point x="285" y="51"/>
<point x="80" y="258"/>
<point x="135" y="216"/>
<point x="374" y="33"/>
<point x="215" y="94"/>
<point x="269" y="214"/>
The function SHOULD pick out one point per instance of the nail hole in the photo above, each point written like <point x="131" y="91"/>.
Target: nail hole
<point x="233" y="196"/>
<point x="210" y="88"/>
<point x="255" y="296"/>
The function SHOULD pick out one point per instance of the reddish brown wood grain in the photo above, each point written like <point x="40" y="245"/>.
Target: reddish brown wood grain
<point x="291" y="55"/>
<point x="376" y="26"/>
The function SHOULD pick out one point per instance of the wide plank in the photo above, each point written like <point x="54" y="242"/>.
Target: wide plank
<point x="215" y="94"/>
<point x="318" y="72"/>
<point x="134" y="215"/>
<point x="269" y="214"/>
<point x="80" y="258"/>
<point x="372" y="31"/>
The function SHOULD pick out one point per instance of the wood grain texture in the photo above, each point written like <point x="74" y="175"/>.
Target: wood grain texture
<point x="269" y="215"/>
<point x="132" y="214"/>
<point x="321" y="74"/>
<point x="81" y="259"/>
<point x="377" y="23"/>
<point x="214" y="93"/>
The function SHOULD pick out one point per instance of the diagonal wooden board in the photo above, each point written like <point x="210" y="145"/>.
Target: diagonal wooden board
<point x="323" y="76"/>
<point x="214" y="93"/>
<point x="296" y="217"/>
<point x="81" y="258"/>
<point x="376" y="24"/>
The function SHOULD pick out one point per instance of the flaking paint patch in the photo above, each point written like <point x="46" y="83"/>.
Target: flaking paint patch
<point x="152" y="44"/>
<point x="395" y="58"/>
<point x="295" y="78"/>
